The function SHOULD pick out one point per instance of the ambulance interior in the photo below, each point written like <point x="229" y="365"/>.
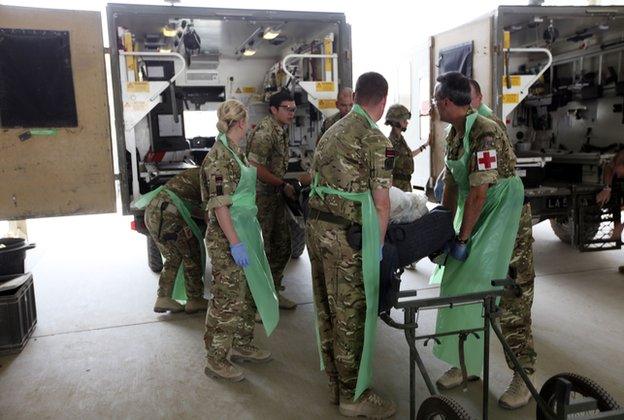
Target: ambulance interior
<point x="169" y="127"/>
<point x="568" y="122"/>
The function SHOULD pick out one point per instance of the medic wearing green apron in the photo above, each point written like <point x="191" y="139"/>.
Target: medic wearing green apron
<point x="169" y="217"/>
<point x="482" y="156"/>
<point x="242" y="277"/>
<point x="352" y="161"/>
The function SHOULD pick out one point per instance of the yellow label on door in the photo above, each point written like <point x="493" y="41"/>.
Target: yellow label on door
<point x="324" y="86"/>
<point x="506" y="39"/>
<point x="136" y="87"/>
<point x="515" y="81"/>
<point x="511" y="98"/>
<point x="249" y="89"/>
<point x="327" y="104"/>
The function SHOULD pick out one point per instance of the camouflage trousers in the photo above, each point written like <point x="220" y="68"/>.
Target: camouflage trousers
<point x="339" y="300"/>
<point x="275" y="233"/>
<point x="516" y="319"/>
<point x="230" y="315"/>
<point x="177" y="244"/>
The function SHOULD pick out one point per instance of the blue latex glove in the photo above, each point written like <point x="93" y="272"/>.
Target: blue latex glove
<point x="381" y="252"/>
<point x="458" y="250"/>
<point x="239" y="253"/>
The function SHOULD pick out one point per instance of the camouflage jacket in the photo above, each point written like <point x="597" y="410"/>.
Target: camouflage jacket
<point x="267" y="145"/>
<point x="404" y="162"/>
<point x="355" y="157"/>
<point x="329" y="121"/>
<point x="186" y="186"/>
<point x="491" y="153"/>
<point x="219" y="177"/>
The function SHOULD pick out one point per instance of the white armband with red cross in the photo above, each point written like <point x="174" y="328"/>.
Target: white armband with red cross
<point x="486" y="160"/>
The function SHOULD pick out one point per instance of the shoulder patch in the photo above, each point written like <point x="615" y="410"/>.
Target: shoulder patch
<point x="487" y="160"/>
<point x="390" y="155"/>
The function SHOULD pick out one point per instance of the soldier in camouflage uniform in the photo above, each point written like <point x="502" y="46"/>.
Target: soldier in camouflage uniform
<point x="351" y="156"/>
<point x="344" y="103"/>
<point x="397" y="117"/>
<point x="230" y="317"/>
<point x="516" y="319"/>
<point x="267" y="149"/>
<point x="176" y="243"/>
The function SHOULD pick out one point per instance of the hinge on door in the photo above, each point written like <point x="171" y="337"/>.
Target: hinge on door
<point x="107" y="50"/>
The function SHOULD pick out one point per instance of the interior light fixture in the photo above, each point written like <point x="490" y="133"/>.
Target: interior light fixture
<point x="270" y="33"/>
<point x="248" y="52"/>
<point x="169" y="31"/>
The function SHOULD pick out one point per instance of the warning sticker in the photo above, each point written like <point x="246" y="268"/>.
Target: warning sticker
<point x="138" y="87"/>
<point x="249" y="89"/>
<point x="513" y="80"/>
<point x="324" y="86"/>
<point x="511" y="98"/>
<point x="326" y="103"/>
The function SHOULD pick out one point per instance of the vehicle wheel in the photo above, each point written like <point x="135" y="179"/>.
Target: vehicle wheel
<point x="562" y="227"/>
<point x="439" y="407"/>
<point x="582" y="387"/>
<point x="297" y="238"/>
<point x="154" y="259"/>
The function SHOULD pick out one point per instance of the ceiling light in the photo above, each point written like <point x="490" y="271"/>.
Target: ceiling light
<point x="248" y="52"/>
<point x="270" y="33"/>
<point x="169" y="31"/>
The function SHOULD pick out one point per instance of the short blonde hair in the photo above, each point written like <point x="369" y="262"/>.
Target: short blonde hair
<point x="229" y="113"/>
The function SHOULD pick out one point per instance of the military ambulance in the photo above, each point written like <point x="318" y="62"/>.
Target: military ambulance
<point x="72" y="110"/>
<point x="554" y="75"/>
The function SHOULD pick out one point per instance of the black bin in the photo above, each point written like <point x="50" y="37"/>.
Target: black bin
<point x="12" y="255"/>
<point x="18" y="313"/>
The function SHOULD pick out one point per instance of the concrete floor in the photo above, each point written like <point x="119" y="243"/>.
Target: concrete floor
<point x="100" y="352"/>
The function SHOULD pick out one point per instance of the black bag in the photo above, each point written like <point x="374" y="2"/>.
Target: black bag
<point x="414" y="240"/>
<point x="389" y="279"/>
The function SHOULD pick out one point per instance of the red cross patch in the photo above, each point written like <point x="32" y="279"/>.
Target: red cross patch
<point x="486" y="160"/>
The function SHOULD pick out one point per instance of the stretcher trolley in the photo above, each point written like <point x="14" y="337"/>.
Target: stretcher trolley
<point x="566" y="395"/>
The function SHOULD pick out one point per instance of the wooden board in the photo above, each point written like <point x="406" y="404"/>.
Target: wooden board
<point x="71" y="172"/>
<point x="480" y="31"/>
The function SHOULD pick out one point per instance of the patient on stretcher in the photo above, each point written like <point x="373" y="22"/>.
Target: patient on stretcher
<point x="405" y="207"/>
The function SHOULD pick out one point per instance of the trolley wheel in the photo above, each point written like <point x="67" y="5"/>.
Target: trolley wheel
<point x="439" y="407"/>
<point x="154" y="259"/>
<point x="581" y="387"/>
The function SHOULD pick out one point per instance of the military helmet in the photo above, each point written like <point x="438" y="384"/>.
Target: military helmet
<point x="396" y="113"/>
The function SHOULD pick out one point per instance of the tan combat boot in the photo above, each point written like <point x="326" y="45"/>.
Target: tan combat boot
<point x="249" y="353"/>
<point x="224" y="369"/>
<point x="164" y="304"/>
<point x="369" y="405"/>
<point x="195" y="305"/>
<point x="285" y="303"/>
<point x="517" y="394"/>
<point x="452" y="378"/>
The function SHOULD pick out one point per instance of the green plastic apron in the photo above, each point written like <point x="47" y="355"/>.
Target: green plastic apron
<point x="179" y="290"/>
<point x="258" y="273"/>
<point x="490" y="246"/>
<point x="370" y="269"/>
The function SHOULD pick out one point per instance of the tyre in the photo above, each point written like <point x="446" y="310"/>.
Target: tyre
<point x="439" y="407"/>
<point x="562" y="227"/>
<point x="581" y="387"/>
<point x="154" y="259"/>
<point x="297" y="238"/>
